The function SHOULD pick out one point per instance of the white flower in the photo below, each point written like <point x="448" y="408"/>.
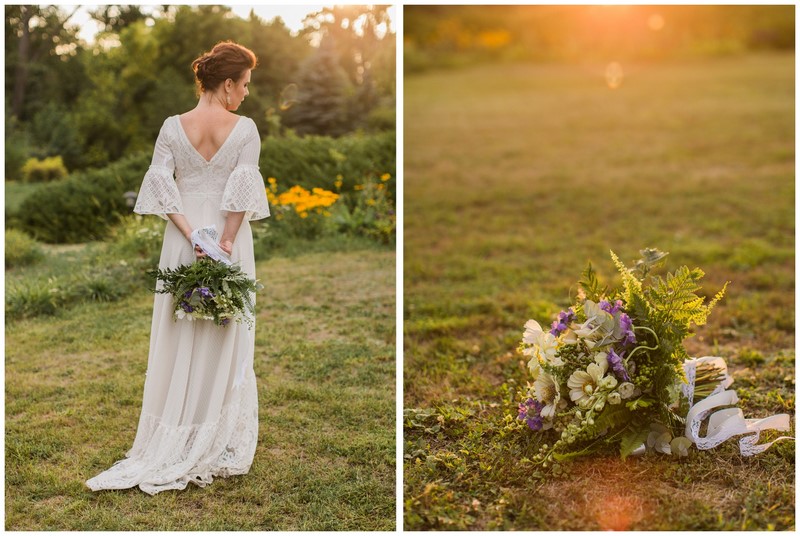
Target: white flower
<point x="601" y="358"/>
<point x="547" y="391"/>
<point x="583" y="384"/>
<point x="609" y="382"/>
<point x="532" y="329"/>
<point x="569" y="337"/>
<point x="544" y="345"/>
<point x="614" y="398"/>
<point x="626" y="390"/>
<point x="534" y="367"/>
<point x="598" y="324"/>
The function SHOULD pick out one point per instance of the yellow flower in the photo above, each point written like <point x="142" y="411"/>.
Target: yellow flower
<point x="385" y="177"/>
<point x="358" y="187"/>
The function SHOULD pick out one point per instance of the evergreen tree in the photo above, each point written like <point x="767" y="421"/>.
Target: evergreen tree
<point x="323" y="94"/>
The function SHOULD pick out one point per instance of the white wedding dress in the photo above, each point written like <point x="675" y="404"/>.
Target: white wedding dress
<point x="199" y="412"/>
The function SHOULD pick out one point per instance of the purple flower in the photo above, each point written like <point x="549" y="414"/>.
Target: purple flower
<point x="530" y="412"/>
<point x="606" y="306"/>
<point x="226" y="321"/>
<point x="615" y="361"/>
<point x="186" y="307"/>
<point x="205" y="292"/>
<point x="187" y="294"/>
<point x="562" y="322"/>
<point x="626" y="325"/>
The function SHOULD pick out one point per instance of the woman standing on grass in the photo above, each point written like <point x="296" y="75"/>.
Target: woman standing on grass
<point x="199" y="413"/>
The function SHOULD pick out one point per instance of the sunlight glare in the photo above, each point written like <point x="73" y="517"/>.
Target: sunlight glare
<point x="655" y="22"/>
<point x="614" y="75"/>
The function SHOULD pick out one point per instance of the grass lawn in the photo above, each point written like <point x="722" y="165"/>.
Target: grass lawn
<point x="515" y="177"/>
<point x="325" y="363"/>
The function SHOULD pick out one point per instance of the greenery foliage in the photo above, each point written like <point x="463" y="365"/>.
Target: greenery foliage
<point x="94" y="103"/>
<point x="48" y="170"/>
<point x="325" y="94"/>
<point x="21" y="249"/>
<point x="315" y="161"/>
<point x="83" y="206"/>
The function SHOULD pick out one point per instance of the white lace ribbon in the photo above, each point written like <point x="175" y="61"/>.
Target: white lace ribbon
<point x="207" y="239"/>
<point x="728" y="422"/>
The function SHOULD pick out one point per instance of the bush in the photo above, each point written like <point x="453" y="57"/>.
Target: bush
<point x="17" y="149"/>
<point x="48" y="170"/>
<point x="83" y="206"/>
<point x="368" y="211"/>
<point x="381" y="119"/>
<point x="315" y="161"/>
<point x="298" y="212"/>
<point x="29" y="298"/>
<point x="21" y="249"/>
<point x="137" y="239"/>
<point x="108" y="271"/>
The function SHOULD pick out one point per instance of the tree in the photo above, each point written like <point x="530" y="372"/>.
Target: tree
<point x="38" y="38"/>
<point x="323" y="94"/>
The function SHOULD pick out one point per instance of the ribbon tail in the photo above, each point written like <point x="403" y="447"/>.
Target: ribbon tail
<point x="727" y="422"/>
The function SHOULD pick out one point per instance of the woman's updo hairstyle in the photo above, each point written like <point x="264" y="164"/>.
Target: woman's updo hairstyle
<point x="225" y="60"/>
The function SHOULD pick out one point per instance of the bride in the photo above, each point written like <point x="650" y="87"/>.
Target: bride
<point x="199" y="412"/>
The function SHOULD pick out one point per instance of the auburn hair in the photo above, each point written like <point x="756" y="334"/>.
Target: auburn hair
<point x="226" y="60"/>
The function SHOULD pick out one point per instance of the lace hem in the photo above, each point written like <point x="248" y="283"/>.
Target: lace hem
<point x="159" y="194"/>
<point x="245" y="192"/>
<point x="165" y="457"/>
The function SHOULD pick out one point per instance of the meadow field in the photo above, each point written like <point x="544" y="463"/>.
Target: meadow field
<point x="515" y="176"/>
<point x="325" y="363"/>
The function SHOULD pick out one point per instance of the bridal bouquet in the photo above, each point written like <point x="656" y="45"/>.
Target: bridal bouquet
<point x="210" y="290"/>
<point x="612" y="370"/>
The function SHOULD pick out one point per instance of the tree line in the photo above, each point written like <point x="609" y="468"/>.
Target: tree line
<point x="92" y="104"/>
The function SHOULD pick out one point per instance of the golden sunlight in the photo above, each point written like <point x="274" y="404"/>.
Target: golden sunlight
<point x="614" y="75"/>
<point x="655" y="22"/>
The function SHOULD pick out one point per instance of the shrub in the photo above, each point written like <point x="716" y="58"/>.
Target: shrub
<point x="47" y="170"/>
<point x="314" y="161"/>
<point x="21" y="249"/>
<point x="29" y="298"/>
<point x="298" y="212"/>
<point x="136" y="239"/>
<point x="368" y="211"/>
<point x="381" y="119"/>
<point x="83" y="206"/>
<point x="17" y="149"/>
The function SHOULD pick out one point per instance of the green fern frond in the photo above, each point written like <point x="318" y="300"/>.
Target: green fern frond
<point x="591" y="285"/>
<point x="631" y="285"/>
<point x="717" y="297"/>
<point x="631" y="441"/>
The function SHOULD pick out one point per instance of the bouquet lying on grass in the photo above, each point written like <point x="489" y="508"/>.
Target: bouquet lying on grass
<point x="210" y="289"/>
<point x="612" y="370"/>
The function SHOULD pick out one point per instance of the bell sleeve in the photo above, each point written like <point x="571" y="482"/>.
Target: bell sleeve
<point x="159" y="194"/>
<point x="245" y="190"/>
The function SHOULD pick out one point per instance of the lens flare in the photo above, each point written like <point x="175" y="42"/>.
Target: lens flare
<point x="655" y="22"/>
<point x="288" y="97"/>
<point x="614" y="75"/>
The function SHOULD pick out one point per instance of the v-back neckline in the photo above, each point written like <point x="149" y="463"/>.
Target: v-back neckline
<point x="224" y="143"/>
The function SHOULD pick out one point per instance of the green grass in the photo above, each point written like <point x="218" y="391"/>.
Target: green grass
<point x="515" y="177"/>
<point x="325" y="364"/>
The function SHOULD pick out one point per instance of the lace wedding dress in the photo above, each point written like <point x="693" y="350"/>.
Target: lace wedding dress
<point x="199" y="412"/>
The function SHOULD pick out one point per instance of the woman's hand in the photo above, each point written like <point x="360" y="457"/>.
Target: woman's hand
<point x="226" y="245"/>
<point x="199" y="253"/>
